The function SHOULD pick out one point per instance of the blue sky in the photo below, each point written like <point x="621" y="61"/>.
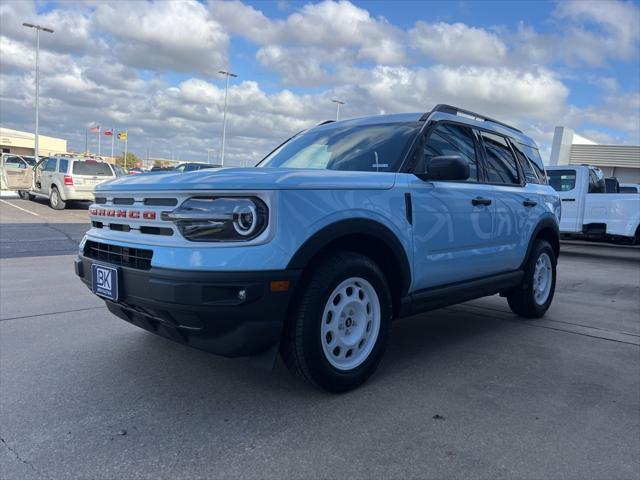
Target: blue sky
<point x="150" y="67"/>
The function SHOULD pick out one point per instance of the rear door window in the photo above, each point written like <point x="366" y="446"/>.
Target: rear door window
<point x="51" y="165"/>
<point x="92" y="168"/>
<point x="562" y="180"/>
<point x="501" y="166"/>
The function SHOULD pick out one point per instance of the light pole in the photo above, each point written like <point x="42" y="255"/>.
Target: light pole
<point x="224" y="115"/>
<point x="48" y="30"/>
<point x="338" y="103"/>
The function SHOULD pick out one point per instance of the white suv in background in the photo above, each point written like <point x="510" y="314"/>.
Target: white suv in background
<point x="67" y="178"/>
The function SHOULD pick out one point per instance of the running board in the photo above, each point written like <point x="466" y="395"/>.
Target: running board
<point x="432" y="298"/>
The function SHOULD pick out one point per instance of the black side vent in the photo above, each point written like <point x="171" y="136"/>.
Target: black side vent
<point x="161" y="202"/>
<point x="119" y="227"/>
<point x="129" y="257"/>
<point x="101" y="200"/>
<point x="95" y="224"/>
<point x="123" y="201"/>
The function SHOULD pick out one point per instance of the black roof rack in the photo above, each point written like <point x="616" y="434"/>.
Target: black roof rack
<point x="455" y="110"/>
<point x="325" y="122"/>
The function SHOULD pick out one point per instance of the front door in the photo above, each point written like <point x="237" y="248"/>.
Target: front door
<point x="452" y="221"/>
<point x="565" y="183"/>
<point x="16" y="173"/>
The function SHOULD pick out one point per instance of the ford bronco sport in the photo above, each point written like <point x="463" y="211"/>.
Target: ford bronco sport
<point x="338" y="231"/>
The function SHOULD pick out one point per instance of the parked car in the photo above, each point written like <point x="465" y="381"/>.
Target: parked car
<point x="339" y="230"/>
<point x="588" y="212"/>
<point x="135" y="171"/>
<point x="67" y="178"/>
<point x="193" y="166"/>
<point x="118" y="170"/>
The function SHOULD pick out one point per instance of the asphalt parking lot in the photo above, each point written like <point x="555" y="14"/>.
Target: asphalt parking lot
<point x="468" y="391"/>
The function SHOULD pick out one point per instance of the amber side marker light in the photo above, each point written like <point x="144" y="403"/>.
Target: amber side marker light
<point x="279" y="285"/>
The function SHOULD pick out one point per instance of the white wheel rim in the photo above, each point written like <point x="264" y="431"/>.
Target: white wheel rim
<point x="350" y="323"/>
<point x="542" y="279"/>
<point x="54" y="198"/>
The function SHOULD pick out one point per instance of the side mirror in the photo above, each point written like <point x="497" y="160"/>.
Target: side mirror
<point x="446" y="167"/>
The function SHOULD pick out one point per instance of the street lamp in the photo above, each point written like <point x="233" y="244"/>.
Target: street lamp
<point x="338" y="103"/>
<point x="224" y="115"/>
<point x="48" y="30"/>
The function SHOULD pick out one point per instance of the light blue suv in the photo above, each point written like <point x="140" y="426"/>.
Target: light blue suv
<point x="338" y="231"/>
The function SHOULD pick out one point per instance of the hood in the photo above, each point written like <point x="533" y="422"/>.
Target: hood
<point x="252" y="179"/>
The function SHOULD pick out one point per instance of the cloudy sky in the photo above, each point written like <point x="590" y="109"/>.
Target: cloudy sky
<point x="150" y="68"/>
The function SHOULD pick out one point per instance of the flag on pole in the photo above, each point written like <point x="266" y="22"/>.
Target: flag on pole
<point x="95" y="129"/>
<point x="109" y="133"/>
<point x="122" y="135"/>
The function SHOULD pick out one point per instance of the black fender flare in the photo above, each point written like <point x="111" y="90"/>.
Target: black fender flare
<point x="355" y="226"/>
<point x="548" y="222"/>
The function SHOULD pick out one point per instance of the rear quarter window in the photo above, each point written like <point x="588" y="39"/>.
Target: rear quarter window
<point x="89" y="167"/>
<point x="63" y="165"/>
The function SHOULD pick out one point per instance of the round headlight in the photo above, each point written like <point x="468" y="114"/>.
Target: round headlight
<point x="245" y="219"/>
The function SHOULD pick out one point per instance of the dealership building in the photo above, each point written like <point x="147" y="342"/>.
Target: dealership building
<point x="23" y="143"/>
<point x="620" y="161"/>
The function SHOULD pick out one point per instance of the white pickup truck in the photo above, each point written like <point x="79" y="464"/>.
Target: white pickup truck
<point x="588" y="212"/>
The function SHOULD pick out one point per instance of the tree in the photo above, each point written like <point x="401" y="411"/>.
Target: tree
<point x="132" y="160"/>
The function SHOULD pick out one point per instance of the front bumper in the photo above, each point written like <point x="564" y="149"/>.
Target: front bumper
<point x="202" y="309"/>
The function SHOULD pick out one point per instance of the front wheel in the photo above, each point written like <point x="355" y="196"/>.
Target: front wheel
<point x="338" y="330"/>
<point x="534" y="297"/>
<point x="55" y="200"/>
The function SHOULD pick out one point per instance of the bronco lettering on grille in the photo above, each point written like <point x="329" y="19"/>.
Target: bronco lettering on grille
<point x="133" y="214"/>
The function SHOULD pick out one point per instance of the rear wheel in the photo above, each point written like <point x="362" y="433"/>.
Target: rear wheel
<point x="534" y="297"/>
<point x="55" y="200"/>
<point x="338" y="330"/>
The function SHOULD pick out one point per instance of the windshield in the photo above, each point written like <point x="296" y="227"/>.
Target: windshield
<point x="91" y="167"/>
<point x="363" y="148"/>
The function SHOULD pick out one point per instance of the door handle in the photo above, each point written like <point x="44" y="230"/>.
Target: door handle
<point x="568" y="199"/>
<point x="480" y="201"/>
<point x="529" y="203"/>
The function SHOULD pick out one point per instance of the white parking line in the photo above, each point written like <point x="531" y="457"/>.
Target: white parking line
<point x="20" y="208"/>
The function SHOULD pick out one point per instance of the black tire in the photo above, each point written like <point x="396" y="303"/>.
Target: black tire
<point x="522" y="301"/>
<point x="23" y="194"/>
<point x="55" y="200"/>
<point x="302" y="344"/>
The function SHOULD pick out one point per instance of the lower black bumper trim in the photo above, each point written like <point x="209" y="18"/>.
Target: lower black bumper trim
<point x="227" y="313"/>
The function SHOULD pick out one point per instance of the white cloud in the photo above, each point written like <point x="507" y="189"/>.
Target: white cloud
<point x="72" y="27"/>
<point x="316" y="44"/>
<point x="166" y="36"/>
<point x="457" y="43"/>
<point x="619" y="23"/>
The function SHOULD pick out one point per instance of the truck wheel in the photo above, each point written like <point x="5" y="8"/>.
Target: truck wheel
<point x="338" y="329"/>
<point x="23" y="194"/>
<point x="534" y="297"/>
<point x="55" y="200"/>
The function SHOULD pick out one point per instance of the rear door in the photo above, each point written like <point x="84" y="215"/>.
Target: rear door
<point x="452" y="221"/>
<point x="47" y="174"/>
<point x="89" y="173"/>
<point x="566" y="182"/>
<point x="16" y="173"/>
<point x="511" y="214"/>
